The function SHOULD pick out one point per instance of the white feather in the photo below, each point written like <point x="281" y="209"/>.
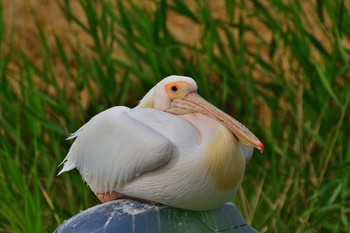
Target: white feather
<point x="102" y="151"/>
<point x="121" y="143"/>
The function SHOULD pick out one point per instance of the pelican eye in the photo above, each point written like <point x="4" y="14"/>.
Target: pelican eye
<point x="174" y="88"/>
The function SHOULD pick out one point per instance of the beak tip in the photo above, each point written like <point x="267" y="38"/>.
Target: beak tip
<point x="261" y="147"/>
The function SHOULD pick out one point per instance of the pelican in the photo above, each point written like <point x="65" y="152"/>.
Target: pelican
<point x="174" y="148"/>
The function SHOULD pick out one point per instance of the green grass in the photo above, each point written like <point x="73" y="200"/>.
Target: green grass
<point x="280" y="69"/>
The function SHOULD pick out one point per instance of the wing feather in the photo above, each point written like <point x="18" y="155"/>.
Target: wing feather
<point x="114" y="147"/>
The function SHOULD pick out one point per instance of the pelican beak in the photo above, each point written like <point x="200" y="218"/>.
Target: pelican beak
<point x="193" y="103"/>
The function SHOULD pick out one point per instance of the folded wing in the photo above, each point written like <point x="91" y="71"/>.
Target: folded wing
<point x="114" y="147"/>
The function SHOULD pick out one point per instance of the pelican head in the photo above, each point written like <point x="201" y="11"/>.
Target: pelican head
<point x="178" y="95"/>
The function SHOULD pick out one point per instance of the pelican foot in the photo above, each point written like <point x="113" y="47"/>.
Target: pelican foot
<point x="106" y="197"/>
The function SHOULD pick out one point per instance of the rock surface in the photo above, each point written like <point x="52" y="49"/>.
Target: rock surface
<point x="133" y="216"/>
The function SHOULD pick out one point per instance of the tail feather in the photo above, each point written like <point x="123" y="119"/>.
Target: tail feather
<point x="67" y="167"/>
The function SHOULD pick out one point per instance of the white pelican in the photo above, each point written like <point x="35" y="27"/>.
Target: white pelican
<point x="174" y="148"/>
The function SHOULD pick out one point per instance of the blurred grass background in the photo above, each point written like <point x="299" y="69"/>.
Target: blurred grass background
<point x="280" y="67"/>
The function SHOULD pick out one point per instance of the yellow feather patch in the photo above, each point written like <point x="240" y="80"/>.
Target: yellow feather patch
<point x="224" y="160"/>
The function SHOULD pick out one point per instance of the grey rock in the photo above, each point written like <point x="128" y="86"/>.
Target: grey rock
<point x="133" y="216"/>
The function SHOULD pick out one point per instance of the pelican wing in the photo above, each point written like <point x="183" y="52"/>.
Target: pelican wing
<point x="114" y="147"/>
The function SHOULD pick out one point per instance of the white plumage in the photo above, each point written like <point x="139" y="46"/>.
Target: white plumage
<point x="169" y="149"/>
